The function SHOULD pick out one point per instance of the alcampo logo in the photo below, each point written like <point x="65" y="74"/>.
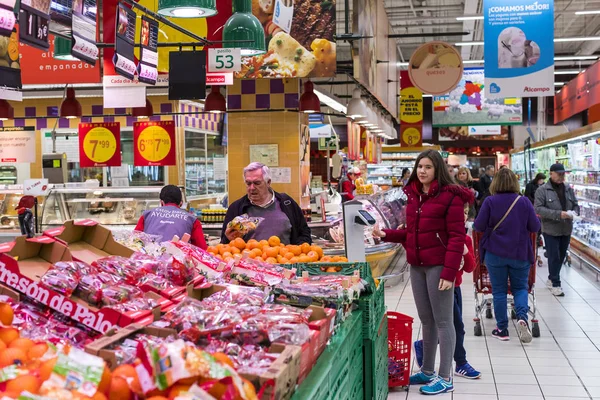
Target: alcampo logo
<point x="494" y="88"/>
<point x="535" y="89"/>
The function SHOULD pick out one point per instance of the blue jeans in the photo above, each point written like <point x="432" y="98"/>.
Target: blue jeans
<point x="460" y="354"/>
<point x="556" y="250"/>
<point x="500" y="269"/>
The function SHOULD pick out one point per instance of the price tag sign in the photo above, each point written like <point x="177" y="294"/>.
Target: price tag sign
<point x="33" y="27"/>
<point x="154" y="143"/>
<point x="224" y="60"/>
<point x="100" y="144"/>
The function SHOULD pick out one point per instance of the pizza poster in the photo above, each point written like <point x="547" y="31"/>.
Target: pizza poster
<point x="154" y="143"/>
<point x="100" y="144"/>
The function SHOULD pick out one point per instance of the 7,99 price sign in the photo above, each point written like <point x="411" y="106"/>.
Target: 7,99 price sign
<point x="100" y="144"/>
<point x="154" y="143"/>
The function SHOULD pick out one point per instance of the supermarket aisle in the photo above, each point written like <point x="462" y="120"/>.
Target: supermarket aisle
<point x="564" y="363"/>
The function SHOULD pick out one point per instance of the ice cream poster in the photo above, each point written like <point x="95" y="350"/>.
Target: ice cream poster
<point x="468" y="104"/>
<point x="518" y="48"/>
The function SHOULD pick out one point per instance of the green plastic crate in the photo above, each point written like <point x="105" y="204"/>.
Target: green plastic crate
<point x="373" y="308"/>
<point x="348" y="269"/>
<point x="376" y="364"/>
<point x="316" y="385"/>
<point x="339" y="388"/>
<point x="357" y="363"/>
<point x="357" y="393"/>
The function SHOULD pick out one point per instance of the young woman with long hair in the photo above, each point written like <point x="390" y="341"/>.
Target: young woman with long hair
<point x="434" y="239"/>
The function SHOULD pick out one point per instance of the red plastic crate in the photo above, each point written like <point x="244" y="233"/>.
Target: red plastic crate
<point x="308" y="359"/>
<point x="399" y="348"/>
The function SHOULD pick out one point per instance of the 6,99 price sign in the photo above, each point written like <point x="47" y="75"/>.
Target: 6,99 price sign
<point x="100" y="144"/>
<point x="154" y="143"/>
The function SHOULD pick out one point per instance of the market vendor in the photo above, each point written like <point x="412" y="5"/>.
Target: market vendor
<point x="346" y="184"/>
<point x="169" y="219"/>
<point x="282" y="215"/>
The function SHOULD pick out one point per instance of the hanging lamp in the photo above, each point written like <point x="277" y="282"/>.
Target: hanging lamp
<point x="243" y="25"/>
<point x="187" y="8"/>
<point x="70" y="107"/>
<point x="309" y="102"/>
<point x="6" y="111"/>
<point x="62" y="50"/>
<point x="215" y="101"/>
<point x="143" y="112"/>
<point x="356" y="107"/>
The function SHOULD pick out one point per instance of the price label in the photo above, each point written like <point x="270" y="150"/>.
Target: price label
<point x="99" y="145"/>
<point x="154" y="143"/>
<point x="224" y="60"/>
<point x="411" y="136"/>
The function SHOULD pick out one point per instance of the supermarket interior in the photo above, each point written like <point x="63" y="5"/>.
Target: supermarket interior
<point x="226" y="199"/>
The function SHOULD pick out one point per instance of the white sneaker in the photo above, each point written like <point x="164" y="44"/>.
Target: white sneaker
<point x="549" y="284"/>
<point x="524" y="332"/>
<point x="557" y="291"/>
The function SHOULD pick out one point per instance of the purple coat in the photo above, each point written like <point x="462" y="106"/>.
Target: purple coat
<point x="512" y="238"/>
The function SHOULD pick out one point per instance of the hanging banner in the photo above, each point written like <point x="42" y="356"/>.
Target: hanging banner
<point x="147" y="71"/>
<point x="518" y="48"/>
<point x="17" y="144"/>
<point x="154" y="143"/>
<point x="124" y="42"/>
<point x="8" y="18"/>
<point x="411" y="112"/>
<point x="435" y="68"/>
<point x="61" y="13"/>
<point x="100" y="144"/>
<point x="10" y="68"/>
<point x="581" y="93"/>
<point x="83" y="44"/>
<point x="34" y="23"/>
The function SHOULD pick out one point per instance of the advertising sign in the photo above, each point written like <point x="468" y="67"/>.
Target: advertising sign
<point x="83" y="45"/>
<point x="17" y="144"/>
<point x="124" y="60"/>
<point x="411" y="112"/>
<point x="224" y="60"/>
<point x="100" y="144"/>
<point x="470" y="133"/>
<point x="154" y="143"/>
<point x="518" y="47"/>
<point x="578" y="95"/>
<point x="7" y="17"/>
<point x="36" y="187"/>
<point x="10" y="64"/>
<point x="147" y="71"/>
<point x="468" y="104"/>
<point x="435" y="68"/>
<point x="61" y="12"/>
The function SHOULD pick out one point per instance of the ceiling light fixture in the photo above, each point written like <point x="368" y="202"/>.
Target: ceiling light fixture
<point x="309" y="101"/>
<point x="587" y="12"/>
<point x="556" y="40"/>
<point x="143" y="112"/>
<point x="574" y="58"/>
<point x="187" y="8"/>
<point x="567" y="72"/>
<point x="6" y="111"/>
<point x="356" y="106"/>
<point x="215" y="101"/>
<point x="468" y="44"/>
<point x="70" y="107"/>
<point x="469" y="17"/>
<point x="330" y="102"/>
<point x="243" y="25"/>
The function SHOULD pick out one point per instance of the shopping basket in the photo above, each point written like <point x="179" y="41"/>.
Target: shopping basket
<point x="483" y="288"/>
<point x="399" y="348"/>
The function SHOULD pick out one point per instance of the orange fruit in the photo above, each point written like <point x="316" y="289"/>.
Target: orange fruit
<point x="282" y="250"/>
<point x="317" y="249"/>
<point x="157" y="398"/>
<point x="2" y="348"/>
<point x="252" y="244"/>
<point x="304" y="259"/>
<point x="119" y="389"/>
<point x="7" y="335"/>
<point x="223" y="250"/>
<point x="335" y="258"/>
<point x="331" y="270"/>
<point x="234" y="250"/>
<point x="272" y="251"/>
<point x="263" y="243"/>
<point x="217" y="390"/>
<point x="246" y="253"/>
<point x="271" y="260"/>
<point x="12" y="356"/>
<point x="274" y="241"/>
<point x="6" y="314"/>
<point x="36" y="351"/>
<point x="219" y="256"/>
<point x="343" y="259"/>
<point x="129" y="373"/>
<point x="104" y="384"/>
<point x="249" y="390"/>
<point x="294" y="260"/>
<point x="256" y="252"/>
<point x="226" y="254"/>
<point x="313" y="256"/>
<point x="238" y="243"/>
<point x="22" y="343"/>
<point x="176" y="389"/>
<point x="212" y="249"/>
<point x="223" y="358"/>
<point x="24" y="383"/>
<point x="325" y="259"/>
<point x="289" y="255"/>
<point x="296" y="250"/>
<point x="99" y="396"/>
<point x="46" y="369"/>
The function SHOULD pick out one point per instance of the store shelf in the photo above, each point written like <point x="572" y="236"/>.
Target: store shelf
<point x="584" y="242"/>
<point x="592" y="185"/>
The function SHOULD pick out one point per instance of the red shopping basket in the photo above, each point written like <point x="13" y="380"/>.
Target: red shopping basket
<point x="399" y="348"/>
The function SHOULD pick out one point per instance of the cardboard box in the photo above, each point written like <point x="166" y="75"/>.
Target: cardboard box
<point x="283" y="372"/>
<point x="204" y="290"/>
<point x="323" y="321"/>
<point x="100" y="347"/>
<point x="88" y="241"/>
<point x="308" y="357"/>
<point x="24" y="261"/>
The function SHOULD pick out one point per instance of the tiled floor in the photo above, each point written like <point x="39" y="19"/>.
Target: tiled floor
<point x="564" y="363"/>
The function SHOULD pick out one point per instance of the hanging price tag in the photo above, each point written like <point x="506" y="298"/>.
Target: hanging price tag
<point x="100" y="145"/>
<point x="154" y="143"/>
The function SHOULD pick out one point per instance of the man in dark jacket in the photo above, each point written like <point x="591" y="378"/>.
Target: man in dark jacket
<point x="485" y="181"/>
<point x="555" y="203"/>
<point x="282" y="215"/>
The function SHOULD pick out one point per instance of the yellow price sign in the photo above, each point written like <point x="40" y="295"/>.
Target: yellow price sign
<point x="411" y="136"/>
<point x="99" y="145"/>
<point x="154" y="143"/>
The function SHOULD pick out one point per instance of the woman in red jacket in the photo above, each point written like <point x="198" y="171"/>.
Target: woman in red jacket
<point x="434" y="239"/>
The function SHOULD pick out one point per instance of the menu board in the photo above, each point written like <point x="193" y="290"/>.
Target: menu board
<point x="34" y="23"/>
<point x="124" y="42"/>
<point x="147" y="71"/>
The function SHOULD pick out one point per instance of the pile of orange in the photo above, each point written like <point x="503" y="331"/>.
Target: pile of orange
<point x="272" y="251"/>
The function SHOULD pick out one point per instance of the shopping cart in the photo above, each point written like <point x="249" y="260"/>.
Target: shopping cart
<point x="483" y="289"/>
<point x="399" y="347"/>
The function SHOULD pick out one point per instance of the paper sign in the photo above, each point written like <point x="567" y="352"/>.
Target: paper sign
<point x="281" y="175"/>
<point x="284" y="12"/>
<point x="267" y="154"/>
<point x="36" y="187"/>
<point x="224" y="60"/>
<point x="147" y="71"/>
<point x="220" y="168"/>
<point x="7" y="17"/>
<point x="154" y="143"/>
<point x="100" y="144"/>
<point x="411" y="112"/>
<point x="17" y="145"/>
<point x="83" y="45"/>
<point x="320" y="131"/>
<point x="124" y="42"/>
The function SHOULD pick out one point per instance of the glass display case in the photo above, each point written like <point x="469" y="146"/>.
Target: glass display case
<point x="114" y="207"/>
<point x="8" y="175"/>
<point x="9" y="220"/>
<point x="205" y="165"/>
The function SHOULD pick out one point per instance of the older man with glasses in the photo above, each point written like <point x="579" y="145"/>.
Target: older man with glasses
<point x="282" y="215"/>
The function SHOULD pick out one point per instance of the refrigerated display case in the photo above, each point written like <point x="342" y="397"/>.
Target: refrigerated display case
<point x="205" y="175"/>
<point x="113" y="206"/>
<point x="9" y="220"/>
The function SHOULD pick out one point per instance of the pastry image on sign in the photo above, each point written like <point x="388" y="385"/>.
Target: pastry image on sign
<point x="435" y="68"/>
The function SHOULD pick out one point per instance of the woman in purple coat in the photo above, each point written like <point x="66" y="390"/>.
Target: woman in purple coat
<point x="507" y="221"/>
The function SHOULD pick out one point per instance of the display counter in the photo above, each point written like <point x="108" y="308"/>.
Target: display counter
<point x="9" y="220"/>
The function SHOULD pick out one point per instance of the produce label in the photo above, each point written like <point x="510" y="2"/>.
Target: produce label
<point x="100" y="144"/>
<point x="154" y="143"/>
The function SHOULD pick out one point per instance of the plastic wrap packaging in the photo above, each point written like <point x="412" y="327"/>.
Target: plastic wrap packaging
<point x="136" y="304"/>
<point x="244" y="224"/>
<point x="78" y="268"/>
<point x="126" y="350"/>
<point x="254" y="273"/>
<point x="282" y="324"/>
<point x="140" y="242"/>
<point x="235" y="296"/>
<point x="63" y="282"/>
<point x="120" y="266"/>
<point x="248" y="359"/>
<point x="325" y="293"/>
<point x="207" y="264"/>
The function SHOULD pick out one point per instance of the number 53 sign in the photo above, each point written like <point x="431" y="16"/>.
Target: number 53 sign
<point x="100" y="144"/>
<point x="224" y="60"/>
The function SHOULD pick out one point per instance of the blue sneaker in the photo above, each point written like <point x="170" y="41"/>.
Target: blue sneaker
<point x="421" y="378"/>
<point x="467" y="371"/>
<point x="437" y="386"/>
<point x="419" y="352"/>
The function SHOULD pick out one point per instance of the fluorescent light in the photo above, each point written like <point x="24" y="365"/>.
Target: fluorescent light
<point x="473" y="62"/>
<point x="567" y="72"/>
<point x="577" y="39"/>
<point x="402" y="64"/>
<point x="331" y="103"/>
<point x="559" y="83"/>
<point x="587" y="12"/>
<point x="469" y="17"/>
<point x="575" y="58"/>
<point x="468" y="44"/>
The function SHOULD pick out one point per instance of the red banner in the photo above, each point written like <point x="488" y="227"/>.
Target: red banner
<point x="578" y="95"/>
<point x="100" y="144"/>
<point x="411" y="113"/>
<point x="154" y="143"/>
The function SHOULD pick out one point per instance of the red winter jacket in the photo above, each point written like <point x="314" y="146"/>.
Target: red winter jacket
<point x="435" y="227"/>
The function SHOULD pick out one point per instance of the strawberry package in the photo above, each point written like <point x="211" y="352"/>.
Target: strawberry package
<point x="64" y="276"/>
<point x="253" y="273"/>
<point x="122" y="267"/>
<point x="207" y="264"/>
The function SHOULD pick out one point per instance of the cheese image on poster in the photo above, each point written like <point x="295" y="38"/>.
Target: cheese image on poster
<point x="518" y="48"/>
